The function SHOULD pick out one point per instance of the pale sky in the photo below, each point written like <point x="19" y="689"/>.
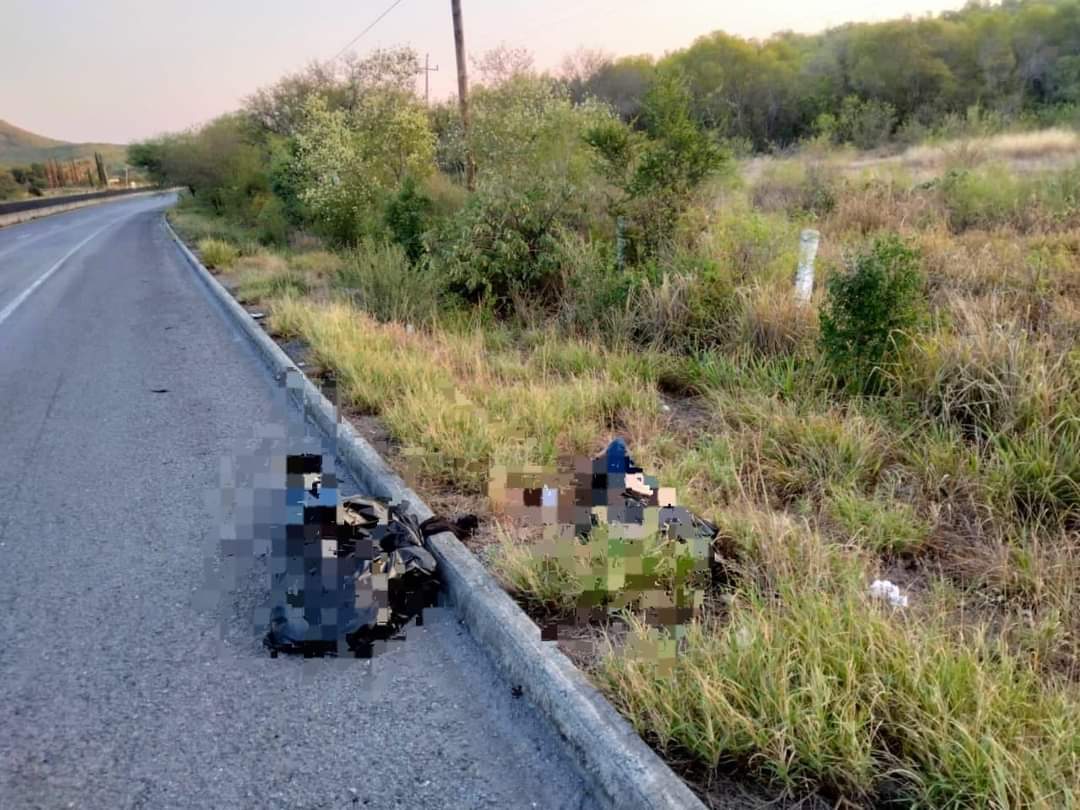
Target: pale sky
<point x="121" y="70"/>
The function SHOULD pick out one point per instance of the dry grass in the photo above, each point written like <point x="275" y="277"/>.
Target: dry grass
<point x="459" y="407"/>
<point x="986" y="376"/>
<point x="774" y="323"/>
<point x="1044" y="146"/>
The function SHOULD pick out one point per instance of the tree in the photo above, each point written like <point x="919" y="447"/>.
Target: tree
<point x="348" y="162"/>
<point x="579" y="67"/>
<point x="341" y="84"/>
<point x="503" y="63"/>
<point x="622" y="84"/>
<point x="657" y="172"/>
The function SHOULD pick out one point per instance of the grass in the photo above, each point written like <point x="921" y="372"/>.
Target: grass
<point x="1043" y="145"/>
<point x="960" y="481"/>
<point x="217" y="254"/>
<point x="814" y="687"/>
<point x="497" y="410"/>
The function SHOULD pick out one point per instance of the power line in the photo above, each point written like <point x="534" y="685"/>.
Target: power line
<point x="374" y="22"/>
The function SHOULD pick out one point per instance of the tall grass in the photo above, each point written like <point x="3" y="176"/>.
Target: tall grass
<point x="812" y="686"/>
<point x="443" y="394"/>
<point x="379" y="279"/>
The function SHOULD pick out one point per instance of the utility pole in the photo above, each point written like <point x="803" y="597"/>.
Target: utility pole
<point x="428" y="70"/>
<point x="463" y="93"/>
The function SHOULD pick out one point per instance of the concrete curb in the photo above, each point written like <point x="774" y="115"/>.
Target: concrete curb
<point x="622" y="770"/>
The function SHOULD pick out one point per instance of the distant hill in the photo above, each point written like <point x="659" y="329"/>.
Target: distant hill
<point x="19" y="147"/>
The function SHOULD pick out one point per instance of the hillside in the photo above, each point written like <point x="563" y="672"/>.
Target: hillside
<point x="19" y="147"/>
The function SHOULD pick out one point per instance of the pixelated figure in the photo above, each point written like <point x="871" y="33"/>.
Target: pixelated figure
<point x="624" y="537"/>
<point x="345" y="573"/>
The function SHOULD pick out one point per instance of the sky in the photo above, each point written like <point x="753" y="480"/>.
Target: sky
<point x="123" y="70"/>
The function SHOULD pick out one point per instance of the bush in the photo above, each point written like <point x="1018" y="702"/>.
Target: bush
<point x="217" y="254"/>
<point x="867" y="123"/>
<point x="271" y="222"/>
<point x="869" y="313"/>
<point x="407" y="215"/>
<point x="659" y="172"/>
<point x="506" y="244"/>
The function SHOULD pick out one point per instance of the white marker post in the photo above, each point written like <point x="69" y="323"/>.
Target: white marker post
<point x="804" y="278"/>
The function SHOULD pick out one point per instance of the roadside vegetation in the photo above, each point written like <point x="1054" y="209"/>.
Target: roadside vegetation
<point x="625" y="266"/>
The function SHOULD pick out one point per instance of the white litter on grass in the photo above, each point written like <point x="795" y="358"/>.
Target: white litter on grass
<point x="883" y="589"/>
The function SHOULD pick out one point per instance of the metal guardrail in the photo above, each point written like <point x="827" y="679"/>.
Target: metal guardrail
<point x="48" y="202"/>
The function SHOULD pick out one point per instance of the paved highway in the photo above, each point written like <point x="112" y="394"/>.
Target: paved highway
<point x="122" y="386"/>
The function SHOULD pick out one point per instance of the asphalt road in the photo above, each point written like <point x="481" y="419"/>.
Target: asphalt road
<point x="119" y="687"/>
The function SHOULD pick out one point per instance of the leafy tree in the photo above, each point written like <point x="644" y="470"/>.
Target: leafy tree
<point x="656" y="172"/>
<point x="350" y="161"/>
<point x="533" y="186"/>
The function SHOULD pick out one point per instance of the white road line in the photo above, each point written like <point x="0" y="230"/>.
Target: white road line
<point x="5" y="313"/>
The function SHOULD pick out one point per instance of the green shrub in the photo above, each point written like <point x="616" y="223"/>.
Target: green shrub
<point x="271" y="222"/>
<point x="407" y="215"/>
<point x="8" y="187"/>
<point x="506" y="243"/>
<point x="217" y="254"/>
<point x="867" y="123"/>
<point x="869" y="313"/>
<point x="659" y="171"/>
